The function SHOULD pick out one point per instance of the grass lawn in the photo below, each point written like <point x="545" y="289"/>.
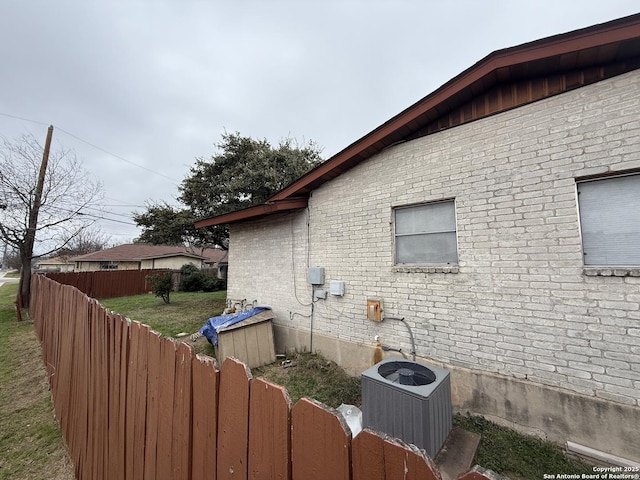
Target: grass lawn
<point x="31" y="444"/>
<point x="186" y="312"/>
<point x="515" y="455"/>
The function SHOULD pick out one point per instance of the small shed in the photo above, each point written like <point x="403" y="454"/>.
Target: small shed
<point x="250" y="341"/>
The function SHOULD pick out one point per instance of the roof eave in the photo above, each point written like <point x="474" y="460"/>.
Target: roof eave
<point x="267" y="208"/>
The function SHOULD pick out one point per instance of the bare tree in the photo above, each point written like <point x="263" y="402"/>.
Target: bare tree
<point x="88" y="240"/>
<point x="67" y="191"/>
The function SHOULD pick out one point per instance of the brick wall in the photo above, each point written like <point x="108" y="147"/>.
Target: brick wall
<point x="520" y="302"/>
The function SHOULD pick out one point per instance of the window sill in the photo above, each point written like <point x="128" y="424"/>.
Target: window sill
<point x="425" y="269"/>
<point x="612" y="271"/>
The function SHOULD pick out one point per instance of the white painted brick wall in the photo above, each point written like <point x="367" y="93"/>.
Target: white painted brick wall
<point x="520" y="303"/>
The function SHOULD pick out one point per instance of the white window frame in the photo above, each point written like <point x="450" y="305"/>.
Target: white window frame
<point x="452" y="260"/>
<point x="602" y="210"/>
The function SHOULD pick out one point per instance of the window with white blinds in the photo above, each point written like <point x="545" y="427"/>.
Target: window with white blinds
<point x="426" y="234"/>
<point x="610" y="220"/>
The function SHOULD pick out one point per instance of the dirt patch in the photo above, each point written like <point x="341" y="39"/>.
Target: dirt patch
<point x="310" y="375"/>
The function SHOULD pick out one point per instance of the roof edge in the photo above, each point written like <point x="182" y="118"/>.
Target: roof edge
<point x="266" y="208"/>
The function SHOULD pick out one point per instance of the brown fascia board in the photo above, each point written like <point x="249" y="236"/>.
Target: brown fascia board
<point x="602" y="34"/>
<point x="266" y="208"/>
<point x="378" y="139"/>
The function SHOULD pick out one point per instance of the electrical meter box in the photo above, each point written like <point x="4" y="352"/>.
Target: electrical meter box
<point x="315" y="275"/>
<point x="336" y="287"/>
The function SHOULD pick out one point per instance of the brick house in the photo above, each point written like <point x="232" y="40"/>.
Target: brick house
<point x="499" y="217"/>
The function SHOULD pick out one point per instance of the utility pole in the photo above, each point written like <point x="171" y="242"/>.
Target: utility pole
<point x="25" y="279"/>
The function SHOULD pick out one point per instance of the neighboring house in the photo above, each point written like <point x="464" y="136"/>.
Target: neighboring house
<point x="499" y="217"/>
<point x="55" y="264"/>
<point x="139" y="256"/>
<point x="220" y="262"/>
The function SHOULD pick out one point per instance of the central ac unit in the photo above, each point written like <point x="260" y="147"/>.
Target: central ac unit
<point x="409" y="401"/>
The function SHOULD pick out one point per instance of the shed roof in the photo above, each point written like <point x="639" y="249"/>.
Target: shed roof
<point x="545" y="67"/>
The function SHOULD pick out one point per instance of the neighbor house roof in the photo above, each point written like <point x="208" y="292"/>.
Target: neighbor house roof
<point x="502" y="80"/>
<point x="144" y="251"/>
<point x="56" y="261"/>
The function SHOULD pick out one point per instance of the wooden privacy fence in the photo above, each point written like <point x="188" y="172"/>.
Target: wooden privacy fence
<point x="107" y="283"/>
<point x="133" y="405"/>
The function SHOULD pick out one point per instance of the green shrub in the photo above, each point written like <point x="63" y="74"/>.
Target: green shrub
<point x="193" y="279"/>
<point x="213" y="284"/>
<point x="161" y="285"/>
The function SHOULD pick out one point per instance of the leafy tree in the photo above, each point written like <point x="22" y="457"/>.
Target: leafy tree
<point x="243" y="172"/>
<point x="47" y="210"/>
<point x="163" y="224"/>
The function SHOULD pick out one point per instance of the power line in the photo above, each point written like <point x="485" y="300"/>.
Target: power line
<point x="24" y="119"/>
<point x="117" y="156"/>
<point x="92" y="145"/>
<point x="108" y="211"/>
<point x="98" y="217"/>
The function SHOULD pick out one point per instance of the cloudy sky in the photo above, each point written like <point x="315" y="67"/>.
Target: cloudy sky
<point x="140" y="89"/>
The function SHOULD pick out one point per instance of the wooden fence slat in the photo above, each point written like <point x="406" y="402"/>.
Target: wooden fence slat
<point x="139" y="395"/>
<point x="407" y="462"/>
<point x="113" y="394"/>
<point x="269" y="431"/>
<point x="153" y="392"/>
<point x="205" y="418"/>
<point x="93" y="406"/>
<point x="125" y="351"/>
<point x="181" y="447"/>
<point x="103" y="444"/>
<point x="320" y="442"/>
<point x="233" y="420"/>
<point x="367" y="453"/>
<point x="77" y="311"/>
<point x="165" y="406"/>
<point x="132" y="391"/>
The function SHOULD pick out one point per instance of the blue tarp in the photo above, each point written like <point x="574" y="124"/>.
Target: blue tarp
<point x="212" y="326"/>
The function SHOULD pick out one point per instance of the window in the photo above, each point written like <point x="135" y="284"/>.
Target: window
<point x="610" y="220"/>
<point x="426" y="234"/>
<point x="108" y="265"/>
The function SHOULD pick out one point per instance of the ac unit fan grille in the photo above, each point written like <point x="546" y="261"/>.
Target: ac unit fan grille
<point x="407" y="373"/>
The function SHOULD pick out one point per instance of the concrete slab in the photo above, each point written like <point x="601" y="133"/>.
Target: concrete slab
<point x="457" y="454"/>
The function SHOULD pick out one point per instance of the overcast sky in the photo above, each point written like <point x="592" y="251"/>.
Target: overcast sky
<point x="140" y="89"/>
